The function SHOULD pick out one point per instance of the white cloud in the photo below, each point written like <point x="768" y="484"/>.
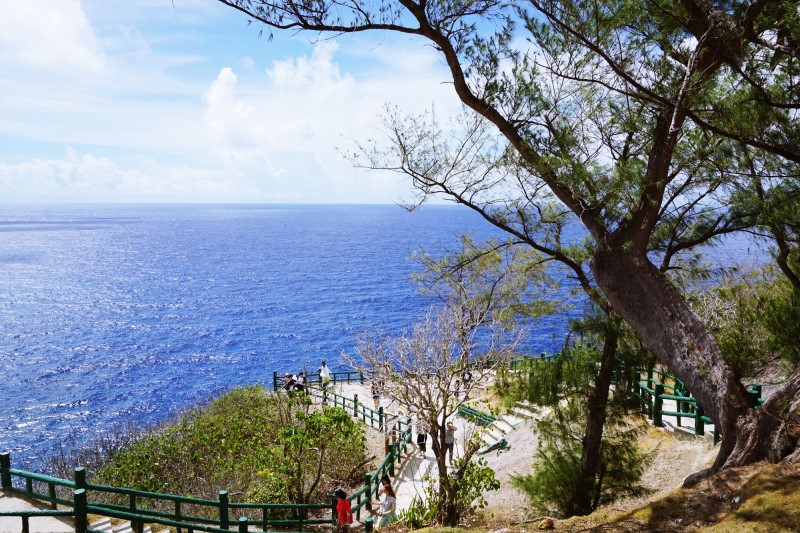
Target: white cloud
<point x="49" y="36"/>
<point x="151" y="106"/>
<point x="86" y="178"/>
<point x="290" y="123"/>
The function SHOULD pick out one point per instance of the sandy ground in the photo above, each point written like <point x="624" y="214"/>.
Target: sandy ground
<point x="676" y="456"/>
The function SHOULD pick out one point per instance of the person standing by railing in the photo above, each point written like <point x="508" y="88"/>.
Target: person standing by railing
<point x="300" y="386"/>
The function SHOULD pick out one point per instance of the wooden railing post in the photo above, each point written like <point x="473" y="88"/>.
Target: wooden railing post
<point x="699" y="425"/>
<point x="368" y="525"/>
<point x="5" y="470"/>
<point x="361" y="375"/>
<point x="81" y="510"/>
<point x="79" y="477"/>
<point x="381" y="418"/>
<point x="334" y="500"/>
<point x="178" y="513"/>
<point x="274" y="381"/>
<point x="368" y="487"/>
<point x="51" y="494"/>
<point x="392" y="448"/>
<point x="243" y="524"/>
<point x="755" y="394"/>
<point x="223" y="509"/>
<point x="355" y="405"/>
<point x="658" y="406"/>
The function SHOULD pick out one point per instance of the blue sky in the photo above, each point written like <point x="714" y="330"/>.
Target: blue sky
<point x="183" y="101"/>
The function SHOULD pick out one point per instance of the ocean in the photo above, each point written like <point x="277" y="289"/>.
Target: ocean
<point x="127" y="314"/>
<point x="117" y="314"/>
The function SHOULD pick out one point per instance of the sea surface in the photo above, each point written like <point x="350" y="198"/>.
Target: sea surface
<point x="130" y="313"/>
<point x="120" y="314"/>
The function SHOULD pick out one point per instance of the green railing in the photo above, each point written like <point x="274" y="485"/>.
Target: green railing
<point x="346" y="376"/>
<point x="479" y="417"/>
<point x="398" y="438"/>
<point x="652" y="387"/>
<point x="525" y="363"/>
<point x="137" y="507"/>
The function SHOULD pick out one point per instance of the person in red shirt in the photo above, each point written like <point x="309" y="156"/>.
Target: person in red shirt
<point x="344" y="510"/>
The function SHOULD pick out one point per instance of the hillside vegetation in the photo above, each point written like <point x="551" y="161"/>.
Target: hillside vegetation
<point x="257" y="445"/>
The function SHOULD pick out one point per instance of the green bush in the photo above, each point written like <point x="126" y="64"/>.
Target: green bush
<point x="241" y="442"/>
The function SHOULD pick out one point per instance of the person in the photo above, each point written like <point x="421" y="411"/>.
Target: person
<point x="300" y="386"/>
<point x="457" y="389"/>
<point x="422" y="436"/>
<point x="388" y="503"/>
<point x="344" y="511"/>
<point x="289" y="383"/>
<point x="324" y="375"/>
<point x="449" y="439"/>
<point x="466" y="377"/>
<point x="376" y="393"/>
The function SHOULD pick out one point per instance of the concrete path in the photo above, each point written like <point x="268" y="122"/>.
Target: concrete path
<point x="38" y="524"/>
<point x="411" y="473"/>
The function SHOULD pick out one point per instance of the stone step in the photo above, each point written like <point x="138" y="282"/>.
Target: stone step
<point x="488" y="440"/>
<point x="104" y="525"/>
<point x="528" y="405"/>
<point x="522" y="412"/>
<point x="493" y="432"/>
<point x="503" y="425"/>
<point x="126" y="527"/>
<point x="511" y="420"/>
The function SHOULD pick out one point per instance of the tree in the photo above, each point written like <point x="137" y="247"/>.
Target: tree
<point x="636" y="117"/>
<point x="419" y="371"/>
<point x="301" y="458"/>
<point x="493" y="282"/>
<point x="502" y="280"/>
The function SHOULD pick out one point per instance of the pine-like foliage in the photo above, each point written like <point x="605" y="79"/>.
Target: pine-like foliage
<point x="562" y="385"/>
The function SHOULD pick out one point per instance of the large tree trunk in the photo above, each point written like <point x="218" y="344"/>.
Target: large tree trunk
<point x="585" y="492"/>
<point x="773" y="431"/>
<point x="647" y="300"/>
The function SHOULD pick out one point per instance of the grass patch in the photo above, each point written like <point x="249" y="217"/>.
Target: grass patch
<point x="772" y="503"/>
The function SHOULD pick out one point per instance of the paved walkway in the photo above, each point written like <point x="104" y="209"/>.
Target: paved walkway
<point x="38" y="524"/>
<point x="410" y="474"/>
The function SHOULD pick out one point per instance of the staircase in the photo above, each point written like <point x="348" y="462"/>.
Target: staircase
<point x="104" y="525"/>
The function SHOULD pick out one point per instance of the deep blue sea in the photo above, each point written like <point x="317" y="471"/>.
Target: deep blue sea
<point x="130" y="313"/>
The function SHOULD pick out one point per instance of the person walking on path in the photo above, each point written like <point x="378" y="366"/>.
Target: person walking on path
<point x="422" y="436"/>
<point x="344" y="511"/>
<point x="376" y="393"/>
<point x="324" y="375"/>
<point x="449" y="439"/>
<point x="388" y="502"/>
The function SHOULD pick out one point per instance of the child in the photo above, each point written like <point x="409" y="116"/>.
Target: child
<point x="344" y="511"/>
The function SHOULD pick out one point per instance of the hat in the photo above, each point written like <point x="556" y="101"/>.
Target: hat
<point x="287" y="375"/>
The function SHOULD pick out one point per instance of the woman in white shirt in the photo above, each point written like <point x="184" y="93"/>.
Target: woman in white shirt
<point x="388" y="503"/>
